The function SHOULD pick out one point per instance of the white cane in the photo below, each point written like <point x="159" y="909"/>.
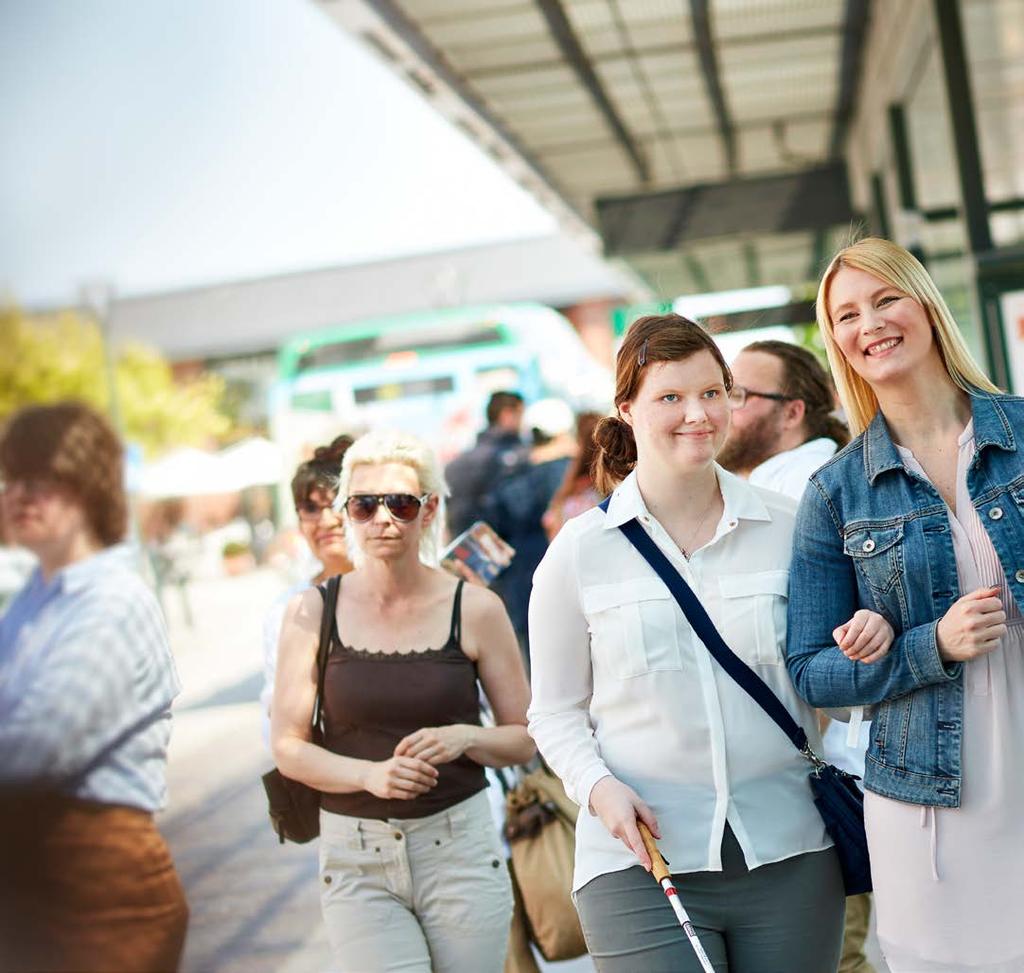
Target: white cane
<point x="664" y="878"/>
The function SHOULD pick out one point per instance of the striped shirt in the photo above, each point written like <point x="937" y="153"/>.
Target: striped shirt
<point x="86" y="684"/>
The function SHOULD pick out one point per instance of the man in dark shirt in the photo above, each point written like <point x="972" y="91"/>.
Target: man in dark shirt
<point x="498" y="451"/>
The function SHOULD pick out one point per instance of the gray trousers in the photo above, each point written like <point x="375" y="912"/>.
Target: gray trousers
<point x="786" y="917"/>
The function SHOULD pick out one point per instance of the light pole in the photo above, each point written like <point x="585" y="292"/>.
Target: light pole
<point x="96" y="298"/>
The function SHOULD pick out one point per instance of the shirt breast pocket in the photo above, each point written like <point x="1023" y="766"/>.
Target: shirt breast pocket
<point x="633" y="627"/>
<point x="754" y="615"/>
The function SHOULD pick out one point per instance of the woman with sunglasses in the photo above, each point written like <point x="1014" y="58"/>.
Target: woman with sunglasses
<point x="314" y="490"/>
<point x="412" y="876"/>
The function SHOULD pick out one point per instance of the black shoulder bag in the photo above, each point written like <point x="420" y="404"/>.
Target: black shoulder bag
<point x="836" y="794"/>
<point x="295" y="807"/>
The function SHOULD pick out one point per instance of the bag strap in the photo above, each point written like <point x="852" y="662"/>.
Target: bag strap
<point x="329" y="593"/>
<point x="702" y="625"/>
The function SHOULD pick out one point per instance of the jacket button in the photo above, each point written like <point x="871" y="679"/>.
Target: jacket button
<point x="869" y="546"/>
<point x="995" y="513"/>
<point x="1019" y="576"/>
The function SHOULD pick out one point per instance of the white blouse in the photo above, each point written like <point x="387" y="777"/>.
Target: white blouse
<point x="621" y="685"/>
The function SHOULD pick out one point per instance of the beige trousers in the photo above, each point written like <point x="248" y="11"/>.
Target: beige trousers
<point x="417" y="895"/>
<point x="855" y="932"/>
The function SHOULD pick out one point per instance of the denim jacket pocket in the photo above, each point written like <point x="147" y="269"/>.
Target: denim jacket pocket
<point x="754" y="615"/>
<point x="633" y="627"/>
<point x="877" y="551"/>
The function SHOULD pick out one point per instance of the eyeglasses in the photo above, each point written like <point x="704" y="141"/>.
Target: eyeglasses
<point x="404" y="507"/>
<point x="30" y="489"/>
<point x="311" y="511"/>
<point x="738" y="396"/>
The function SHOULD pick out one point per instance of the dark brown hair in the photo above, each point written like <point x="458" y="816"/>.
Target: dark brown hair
<point x="582" y="464"/>
<point x="322" y="471"/>
<point x="804" y="378"/>
<point x="71" y="444"/>
<point x="650" y="339"/>
<point x="499" y="402"/>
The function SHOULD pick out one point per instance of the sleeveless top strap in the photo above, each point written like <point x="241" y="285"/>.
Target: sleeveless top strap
<point x="455" y="635"/>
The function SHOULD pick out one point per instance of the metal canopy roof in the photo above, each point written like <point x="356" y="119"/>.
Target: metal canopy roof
<point x="702" y="139"/>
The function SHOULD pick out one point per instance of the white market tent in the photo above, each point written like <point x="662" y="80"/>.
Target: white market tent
<point x="254" y="462"/>
<point x="190" y="472"/>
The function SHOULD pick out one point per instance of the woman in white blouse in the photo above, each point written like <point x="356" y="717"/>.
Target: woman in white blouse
<point x="637" y="719"/>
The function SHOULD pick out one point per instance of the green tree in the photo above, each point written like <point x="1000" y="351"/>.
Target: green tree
<point x="60" y="356"/>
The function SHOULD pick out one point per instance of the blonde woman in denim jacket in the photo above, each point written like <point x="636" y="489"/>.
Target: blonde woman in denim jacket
<point x="921" y="518"/>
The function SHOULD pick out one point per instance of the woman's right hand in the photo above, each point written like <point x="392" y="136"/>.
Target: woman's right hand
<point x="400" y="778"/>
<point x="618" y="807"/>
<point x="972" y="627"/>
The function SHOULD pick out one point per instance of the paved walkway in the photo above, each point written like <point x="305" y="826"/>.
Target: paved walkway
<point x="254" y="902"/>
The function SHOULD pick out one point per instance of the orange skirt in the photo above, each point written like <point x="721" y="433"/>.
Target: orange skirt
<point x="86" y="887"/>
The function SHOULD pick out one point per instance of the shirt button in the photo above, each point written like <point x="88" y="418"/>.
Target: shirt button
<point x="398" y="836"/>
<point x="327" y="880"/>
<point x="1019" y="576"/>
<point x="869" y="546"/>
<point x="995" y="513"/>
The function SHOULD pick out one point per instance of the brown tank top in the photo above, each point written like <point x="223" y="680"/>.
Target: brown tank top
<point x="374" y="699"/>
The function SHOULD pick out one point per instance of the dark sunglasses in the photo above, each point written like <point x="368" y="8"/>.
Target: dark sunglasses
<point x="311" y="511"/>
<point x="404" y="507"/>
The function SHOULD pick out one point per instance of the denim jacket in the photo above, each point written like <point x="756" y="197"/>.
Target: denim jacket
<point x="872" y="534"/>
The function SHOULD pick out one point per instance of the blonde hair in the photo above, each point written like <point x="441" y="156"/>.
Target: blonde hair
<point x="385" y="446"/>
<point x="898" y="268"/>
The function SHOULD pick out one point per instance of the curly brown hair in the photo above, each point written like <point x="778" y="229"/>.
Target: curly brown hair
<point x="320" y="472"/>
<point x="71" y="444"/>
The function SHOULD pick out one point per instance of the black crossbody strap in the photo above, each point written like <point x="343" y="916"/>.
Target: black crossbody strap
<point x="705" y="630"/>
<point x="329" y="593"/>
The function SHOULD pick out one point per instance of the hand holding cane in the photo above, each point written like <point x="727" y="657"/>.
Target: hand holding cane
<point x="664" y="878"/>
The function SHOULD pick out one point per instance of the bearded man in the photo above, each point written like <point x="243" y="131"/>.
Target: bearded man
<point x="783" y="422"/>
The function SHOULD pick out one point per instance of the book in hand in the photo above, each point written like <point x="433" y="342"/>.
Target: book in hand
<point x="479" y="555"/>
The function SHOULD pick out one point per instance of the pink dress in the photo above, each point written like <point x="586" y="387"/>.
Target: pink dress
<point x="949" y="882"/>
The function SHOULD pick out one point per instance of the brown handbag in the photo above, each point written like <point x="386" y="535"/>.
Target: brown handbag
<point x="294" y="807"/>
<point x="540" y="826"/>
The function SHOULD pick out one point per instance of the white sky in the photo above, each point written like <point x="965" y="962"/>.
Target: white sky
<point x="160" y="144"/>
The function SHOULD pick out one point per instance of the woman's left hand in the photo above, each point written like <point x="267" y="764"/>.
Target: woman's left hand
<point x="866" y="637"/>
<point x="437" y="744"/>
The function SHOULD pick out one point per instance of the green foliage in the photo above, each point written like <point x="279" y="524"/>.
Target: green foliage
<point x="809" y="337"/>
<point x="60" y="356"/>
